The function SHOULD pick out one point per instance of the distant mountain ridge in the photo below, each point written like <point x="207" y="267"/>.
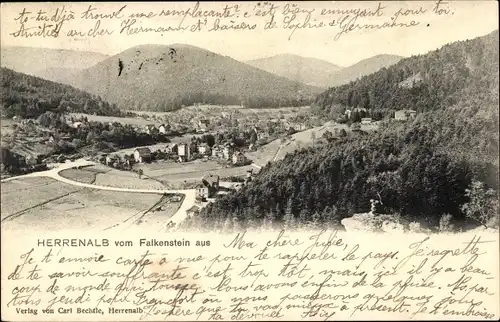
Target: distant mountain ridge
<point x="167" y="77"/>
<point x="304" y="75"/>
<point x="317" y="72"/>
<point x="48" y="63"/>
<point x="307" y="70"/>
<point x="59" y="74"/>
<point x="362" y="68"/>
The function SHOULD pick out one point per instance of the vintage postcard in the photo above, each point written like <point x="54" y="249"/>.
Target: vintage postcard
<point x="250" y="161"/>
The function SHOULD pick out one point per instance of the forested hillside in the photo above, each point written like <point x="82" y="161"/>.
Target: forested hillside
<point x="165" y="78"/>
<point x="442" y="163"/>
<point x="423" y="83"/>
<point x="29" y="96"/>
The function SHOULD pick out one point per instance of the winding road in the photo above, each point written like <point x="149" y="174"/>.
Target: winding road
<point x="179" y="216"/>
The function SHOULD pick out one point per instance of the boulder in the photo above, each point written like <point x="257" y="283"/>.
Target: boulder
<point x="360" y="222"/>
<point x="392" y="227"/>
<point x="373" y="223"/>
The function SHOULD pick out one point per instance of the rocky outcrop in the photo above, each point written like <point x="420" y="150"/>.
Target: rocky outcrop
<point x="370" y="222"/>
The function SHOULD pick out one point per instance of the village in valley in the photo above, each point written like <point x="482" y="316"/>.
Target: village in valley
<point x="250" y="160"/>
<point x="219" y="151"/>
<point x="187" y="133"/>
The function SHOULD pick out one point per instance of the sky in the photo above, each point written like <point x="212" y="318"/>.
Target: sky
<point x="465" y="20"/>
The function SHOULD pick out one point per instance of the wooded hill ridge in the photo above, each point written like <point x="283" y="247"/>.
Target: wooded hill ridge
<point x="29" y="96"/>
<point x="423" y="82"/>
<point x="316" y="72"/>
<point x="167" y="77"/>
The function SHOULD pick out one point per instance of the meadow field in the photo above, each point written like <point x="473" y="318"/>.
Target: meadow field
<point x="279" y="148"/>
<point x="139" y="121"/>
<point x="102" y="175"/>
<point x="27" y="193"/>
<point x="182" y="175"/>
<point x="55" y="205"/>
<point x="217" y="110"/>
<point x="6" y="126"/>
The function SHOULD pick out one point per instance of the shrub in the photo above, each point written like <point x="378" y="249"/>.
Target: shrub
<point x="445" y="223"/>
<point x="483" y="204"/>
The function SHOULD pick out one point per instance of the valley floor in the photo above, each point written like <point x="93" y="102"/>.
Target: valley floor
<point x="47" y="200"/>
<point x="84" y="195"/>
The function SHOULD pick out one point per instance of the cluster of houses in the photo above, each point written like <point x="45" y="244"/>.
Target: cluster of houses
<point x="152" y="129"/>
<point x="263" y="127"/>
<point x="210" y="186"/>
<point x="24" y="162"/>
<point x="229" y="153"/>
<point x="201" y="126"/>
<point x="187" y="151"/>
<point x="183" y="152"/>
<point x="402" y="115"/>
<point x="17" y="160"/>
<point x="114" y="160"/>
<point x="140" y="155"/>
<point x="165" y="128"/>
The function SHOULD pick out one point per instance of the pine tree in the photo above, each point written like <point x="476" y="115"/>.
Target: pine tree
<point x="228" y="225"/>
<point x="289" y="219"/>
<point x="304" y="216"/>
<point x="268" y="220"/>
<point x="330" y="216"/>
<point x="250" y="223"/>
<point x="316" y="220"/>
<point x="325" y="214"/>
<point x="236" y="224"/>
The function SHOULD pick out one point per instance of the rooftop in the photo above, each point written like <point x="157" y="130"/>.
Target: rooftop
<point x="193" y="209"/>
<point x="211" y="179"/>
<point x="143" y="150"/>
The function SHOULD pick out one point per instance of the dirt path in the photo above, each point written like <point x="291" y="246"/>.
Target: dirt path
<point x="277" y="152"/>
<point x="256" y="166"/>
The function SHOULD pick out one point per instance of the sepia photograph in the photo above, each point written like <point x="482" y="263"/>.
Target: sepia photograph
<point x="145" y="120"/>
